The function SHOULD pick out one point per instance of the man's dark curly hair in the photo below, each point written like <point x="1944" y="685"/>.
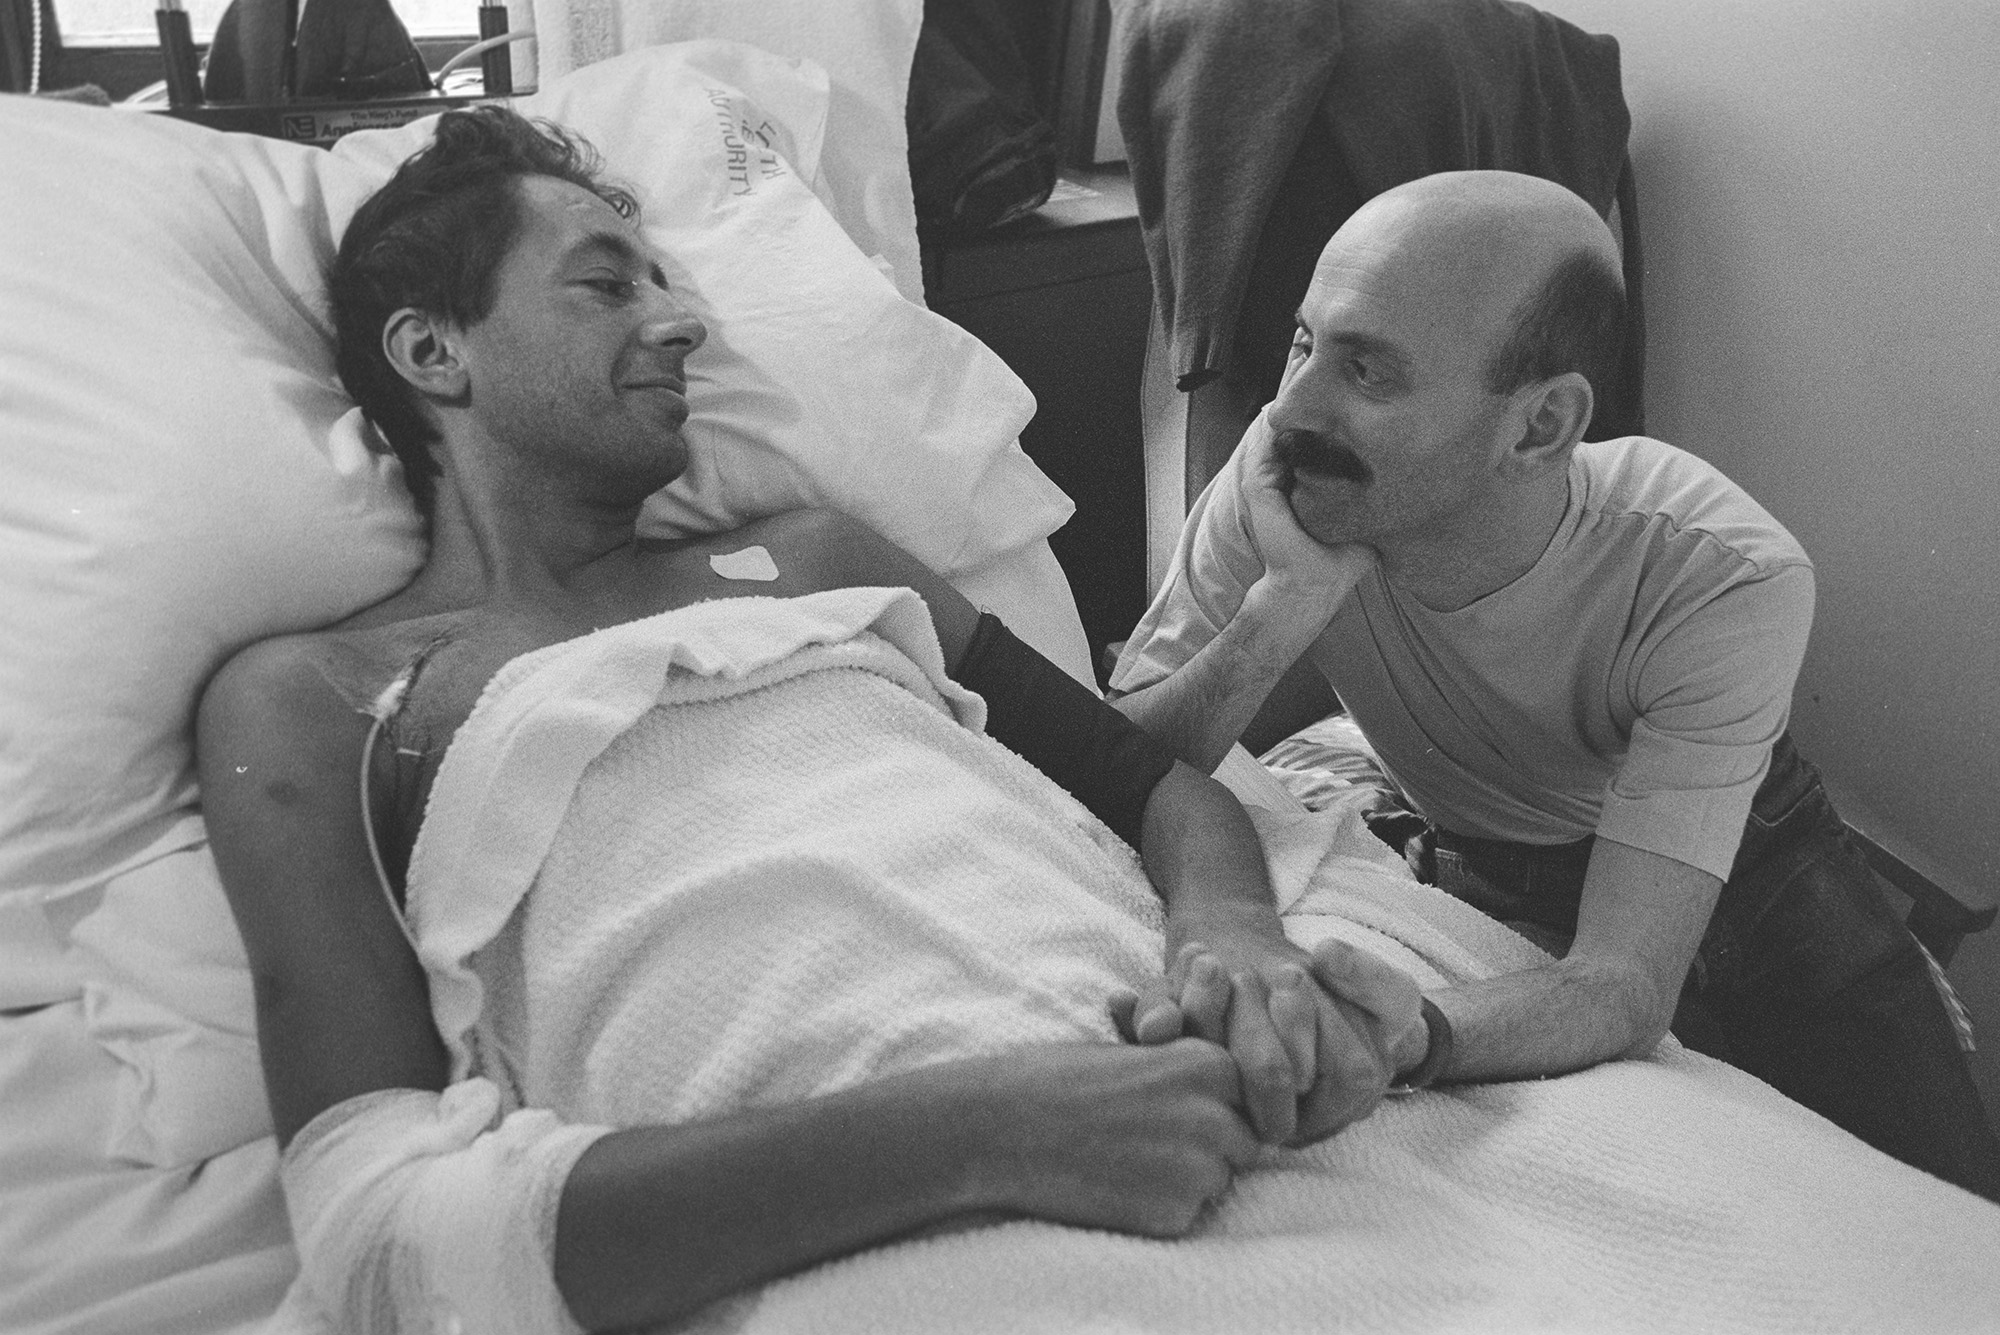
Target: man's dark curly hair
<point x="433" y="238"/>
<point x="1575" y="321"/>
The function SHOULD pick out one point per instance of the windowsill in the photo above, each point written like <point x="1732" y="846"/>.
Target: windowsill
<point x="122" y="69"/>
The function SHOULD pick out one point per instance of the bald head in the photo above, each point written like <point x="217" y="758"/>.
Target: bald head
<point x="1524" y="266"/>
<point x="1505" y="215"/>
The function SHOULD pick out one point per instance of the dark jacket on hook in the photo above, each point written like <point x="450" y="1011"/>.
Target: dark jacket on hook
<point x="1255" y="127"/>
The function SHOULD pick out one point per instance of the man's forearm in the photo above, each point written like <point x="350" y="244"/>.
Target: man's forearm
<point x="657" y="1222"/>
<point x="1199" y="712"/>
<point x="1561" y="1017"/>
<point x="1202" y="853"/>
<point x="1613" y="995"/>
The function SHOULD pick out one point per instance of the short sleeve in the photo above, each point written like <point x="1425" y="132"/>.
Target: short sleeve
<point x="1712" y="695"/>
<point x="1215" y="563"/>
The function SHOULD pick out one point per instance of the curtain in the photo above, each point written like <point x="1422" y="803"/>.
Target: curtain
<point x="17" y="45"/>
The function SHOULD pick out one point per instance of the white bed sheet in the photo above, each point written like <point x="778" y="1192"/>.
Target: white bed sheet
<point x="1670" y="1194"/>
<point x="93" y="1246"/>
<point x="865" y="45"/>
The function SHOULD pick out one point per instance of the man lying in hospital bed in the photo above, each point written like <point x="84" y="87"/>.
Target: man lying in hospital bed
<point x="630" y="849"/>
<point x="1665" y="1194"/>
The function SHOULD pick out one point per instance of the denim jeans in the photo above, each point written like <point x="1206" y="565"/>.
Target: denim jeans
<point x="1805" y="978"/>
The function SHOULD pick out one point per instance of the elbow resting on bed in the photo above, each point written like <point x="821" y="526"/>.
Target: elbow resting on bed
<point x="1638" y="1005"/>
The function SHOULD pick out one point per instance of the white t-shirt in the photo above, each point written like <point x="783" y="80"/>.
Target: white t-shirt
<point x="1630" y="684"/>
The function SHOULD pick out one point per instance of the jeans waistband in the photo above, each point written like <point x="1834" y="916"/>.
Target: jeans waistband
<point x="1557" y="870"/>
<point x="1505" y="852"/>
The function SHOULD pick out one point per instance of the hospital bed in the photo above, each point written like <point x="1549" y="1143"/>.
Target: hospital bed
<point x="184" y="475"/>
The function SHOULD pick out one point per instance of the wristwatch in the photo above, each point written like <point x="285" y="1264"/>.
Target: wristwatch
<point x="1426" y="1071"/>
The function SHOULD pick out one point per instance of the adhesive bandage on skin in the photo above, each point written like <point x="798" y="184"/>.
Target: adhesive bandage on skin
<point x="416" y="1211"/>
<point x="750" y="563"/>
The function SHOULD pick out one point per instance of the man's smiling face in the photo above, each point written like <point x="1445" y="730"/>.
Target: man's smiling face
<point x="583" y="354"/>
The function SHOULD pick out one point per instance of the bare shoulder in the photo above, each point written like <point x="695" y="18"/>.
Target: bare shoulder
<point x="280" y="736"/>
<point x="290" y="688"/>
<point x="315" y="678"/>
<point x="812" y="549"/>
<point x="816" y="549"/>
<point x="815" y="530"/>
<point x="846" y="548"/>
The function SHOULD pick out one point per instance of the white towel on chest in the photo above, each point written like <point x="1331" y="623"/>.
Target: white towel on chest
<point x="750" y="851"/>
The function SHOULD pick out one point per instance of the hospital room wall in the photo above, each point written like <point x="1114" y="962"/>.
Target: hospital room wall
<point x="1819" y="186"/>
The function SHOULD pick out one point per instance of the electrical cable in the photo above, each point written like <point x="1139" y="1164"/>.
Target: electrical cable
<point x="476" y="50"/>
<point x="385" y="706"/>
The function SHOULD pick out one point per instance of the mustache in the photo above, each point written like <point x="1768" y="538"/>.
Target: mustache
<point x="1311" y="453"/>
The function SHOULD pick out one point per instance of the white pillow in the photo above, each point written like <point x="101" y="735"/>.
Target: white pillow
<point x="182" y="471"/>
<point x="866" y="45"/>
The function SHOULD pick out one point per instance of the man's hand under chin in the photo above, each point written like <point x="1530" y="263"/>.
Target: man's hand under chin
<point x="1308" y="578"/>
<point x="1199" y="710"/>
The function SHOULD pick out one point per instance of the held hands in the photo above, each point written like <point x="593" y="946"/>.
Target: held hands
<point x="1142" y="1138"/>
<point x="1311" y="578"/>
<point x="1317" y="1038"/>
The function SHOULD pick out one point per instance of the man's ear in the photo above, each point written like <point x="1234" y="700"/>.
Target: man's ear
<point x="424" y="350"/>
<point x="1554" y="415"/>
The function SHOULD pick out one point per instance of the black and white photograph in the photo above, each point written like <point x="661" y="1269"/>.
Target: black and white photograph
<point x="999" y="667"/>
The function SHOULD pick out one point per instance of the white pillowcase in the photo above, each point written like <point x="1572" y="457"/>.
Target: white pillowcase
<point x="183" y="474"/>
<point x="866" y="45"/>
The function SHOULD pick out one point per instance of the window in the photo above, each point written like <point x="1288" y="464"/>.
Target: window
<point x="130" y="22"/>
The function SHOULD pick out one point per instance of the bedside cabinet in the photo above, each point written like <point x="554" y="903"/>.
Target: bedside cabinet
<point x="1063" y="296"/>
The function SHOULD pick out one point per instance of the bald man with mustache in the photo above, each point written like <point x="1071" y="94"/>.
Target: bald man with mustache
<point x="1575" y="660"/>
